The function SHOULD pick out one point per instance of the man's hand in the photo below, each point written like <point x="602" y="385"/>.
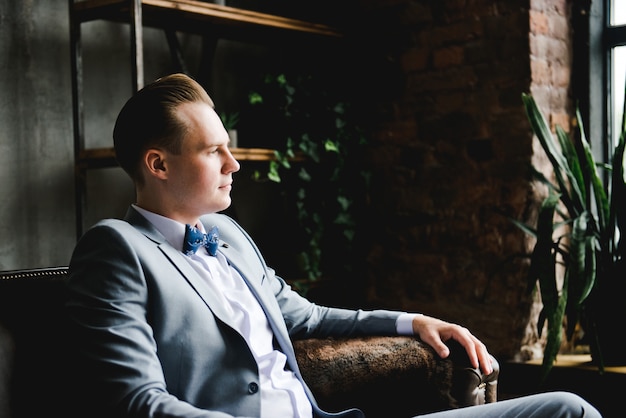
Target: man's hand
<point x="435" y="332"/>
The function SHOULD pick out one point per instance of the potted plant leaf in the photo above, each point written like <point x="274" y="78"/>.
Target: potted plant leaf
<point x="578" y="258"/>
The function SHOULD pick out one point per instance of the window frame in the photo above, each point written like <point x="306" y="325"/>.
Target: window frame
<point x="595" y="111"/>
<point x="598" y="110"/>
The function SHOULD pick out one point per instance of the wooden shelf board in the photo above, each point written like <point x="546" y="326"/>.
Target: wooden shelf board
<point x="193" y="16"/>
<point x="253" y="154"/>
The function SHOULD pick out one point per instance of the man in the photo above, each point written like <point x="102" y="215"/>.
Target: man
<point x="162" y="330"/>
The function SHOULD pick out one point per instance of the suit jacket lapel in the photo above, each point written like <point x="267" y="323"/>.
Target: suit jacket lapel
<point x="254" y="278"/>
<point x="243" y="255"/>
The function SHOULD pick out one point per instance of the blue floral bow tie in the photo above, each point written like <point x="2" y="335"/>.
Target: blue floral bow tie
<point x="194" y="238"/>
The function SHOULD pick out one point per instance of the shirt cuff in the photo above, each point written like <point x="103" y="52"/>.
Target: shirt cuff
<point x="404" y="323"/>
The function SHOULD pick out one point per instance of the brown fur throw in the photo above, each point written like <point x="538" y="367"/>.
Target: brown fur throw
<point x="376" y="374"/>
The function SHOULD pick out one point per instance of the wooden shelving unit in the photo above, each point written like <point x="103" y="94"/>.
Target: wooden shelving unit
<point x="188" y="16"/>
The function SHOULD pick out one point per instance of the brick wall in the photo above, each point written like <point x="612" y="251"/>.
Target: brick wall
<point x="451" y="154"/>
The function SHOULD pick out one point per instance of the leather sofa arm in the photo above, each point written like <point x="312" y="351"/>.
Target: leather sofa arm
<point x="470" y="386"/>
<point x="379" y="374"/>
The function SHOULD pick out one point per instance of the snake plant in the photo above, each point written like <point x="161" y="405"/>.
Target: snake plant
<point x="577" y="233"/>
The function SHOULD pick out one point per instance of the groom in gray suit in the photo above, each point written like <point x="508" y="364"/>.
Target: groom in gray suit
<point x="169" y="322"/>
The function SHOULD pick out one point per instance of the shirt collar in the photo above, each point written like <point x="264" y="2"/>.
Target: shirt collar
<point x="173" y="231"/>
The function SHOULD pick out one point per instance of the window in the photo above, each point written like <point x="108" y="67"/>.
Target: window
<point x="616" y="49"/>
<point x="617" y="13"/>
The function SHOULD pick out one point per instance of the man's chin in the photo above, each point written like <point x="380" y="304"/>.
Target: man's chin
<point x="225" y="206"/>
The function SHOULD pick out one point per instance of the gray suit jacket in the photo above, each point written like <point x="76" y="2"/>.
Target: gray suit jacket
<point x="151" y="340"/>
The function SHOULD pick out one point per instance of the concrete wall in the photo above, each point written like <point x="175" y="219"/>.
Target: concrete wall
<point x="36" y="158"/>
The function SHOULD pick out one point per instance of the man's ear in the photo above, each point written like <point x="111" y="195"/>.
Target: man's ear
<point x="154" y="163"/>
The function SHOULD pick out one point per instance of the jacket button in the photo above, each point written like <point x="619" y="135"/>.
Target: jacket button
<point x="253" y="388"/>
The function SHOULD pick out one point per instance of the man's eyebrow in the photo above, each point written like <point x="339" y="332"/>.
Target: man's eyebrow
<point x="211" y="144"/>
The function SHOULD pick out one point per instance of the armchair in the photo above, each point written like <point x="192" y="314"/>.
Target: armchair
<point x="341" y="372"/>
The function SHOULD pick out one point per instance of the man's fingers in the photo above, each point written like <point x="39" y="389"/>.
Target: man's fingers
<point x="443" y="350"/>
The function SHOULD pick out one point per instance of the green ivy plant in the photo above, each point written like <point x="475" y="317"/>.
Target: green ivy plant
<point x="318" y="162"/>
<point x="577" y="232"/>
